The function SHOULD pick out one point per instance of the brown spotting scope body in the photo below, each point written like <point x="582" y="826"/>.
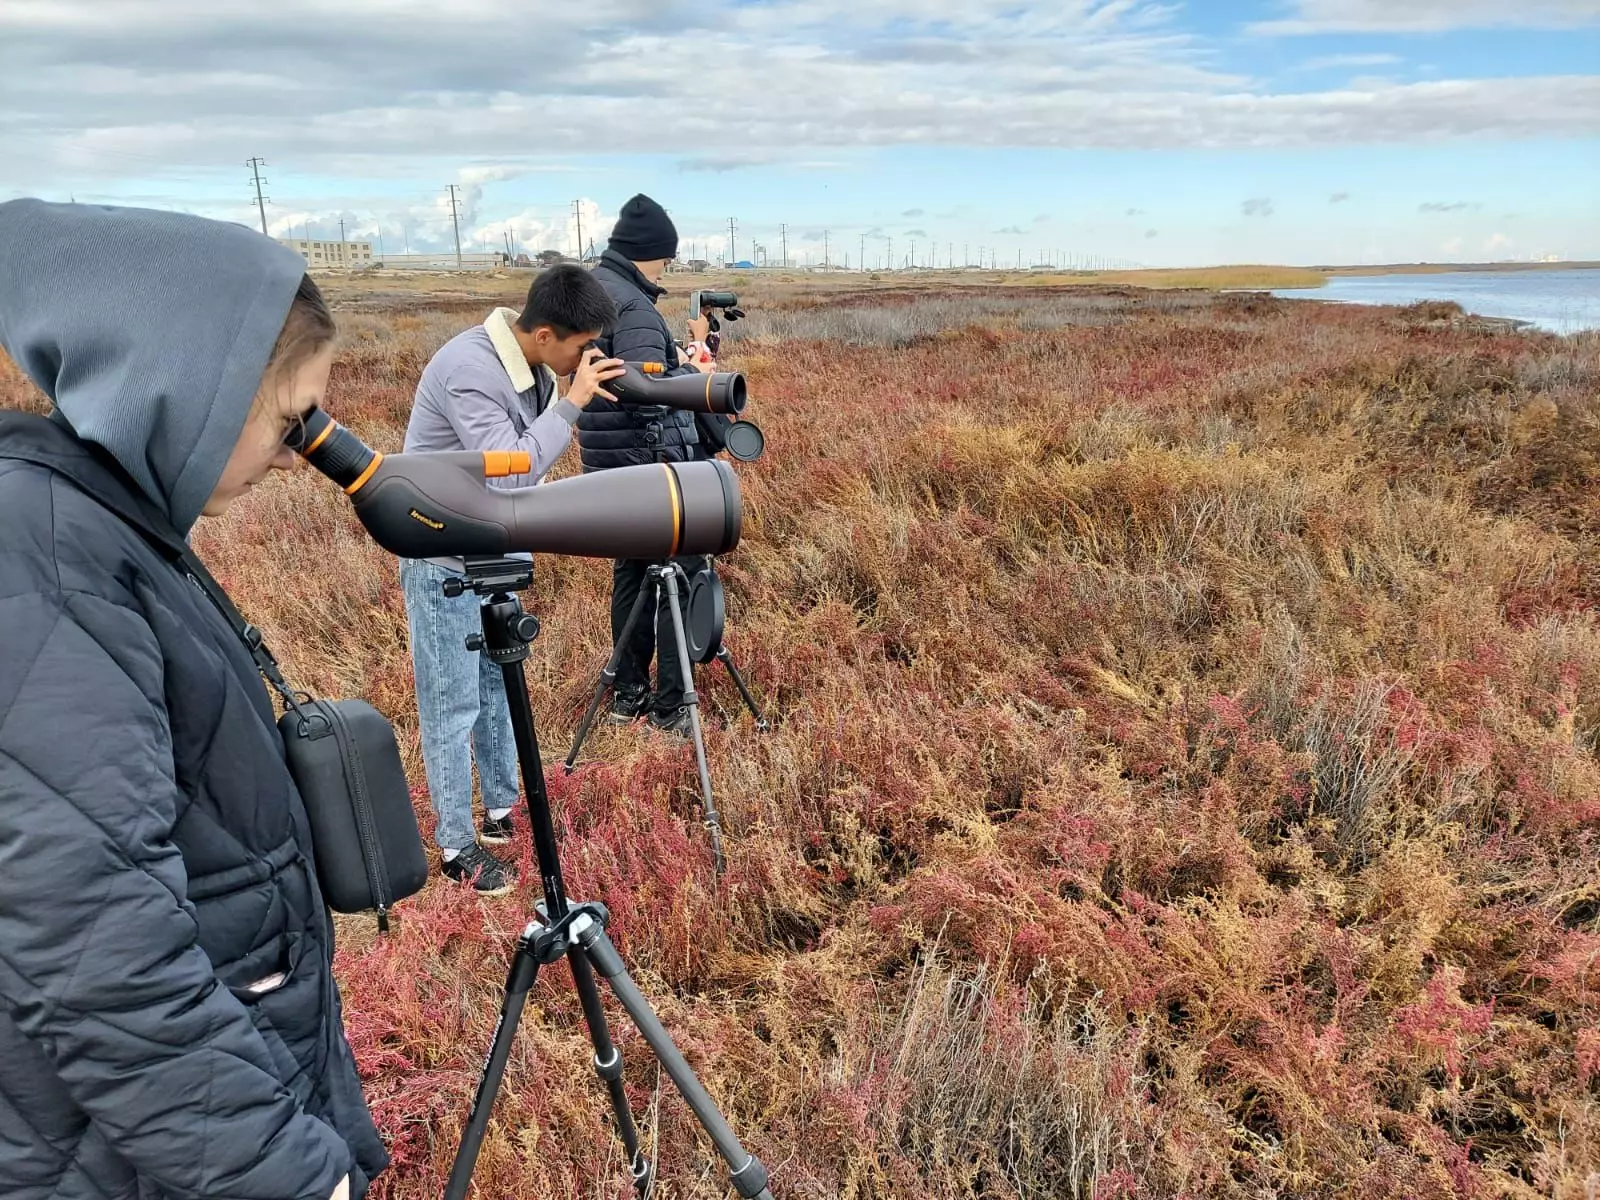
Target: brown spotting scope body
<point x="438" y="505"/>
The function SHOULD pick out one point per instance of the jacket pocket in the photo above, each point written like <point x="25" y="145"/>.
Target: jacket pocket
<point x="277" y="982"/>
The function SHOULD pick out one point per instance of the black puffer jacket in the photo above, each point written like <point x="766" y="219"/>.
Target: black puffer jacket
<point x="611" y="435"/>
<point x="154" y="861"/>
<point x="155" y="856"/>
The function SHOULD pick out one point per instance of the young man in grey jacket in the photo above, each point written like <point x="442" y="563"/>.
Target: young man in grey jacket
<point x="491" y="387"/>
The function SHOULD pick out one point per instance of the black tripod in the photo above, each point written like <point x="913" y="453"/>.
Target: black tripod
<point x="670" y="576"/>
<point x="576" y="931"/>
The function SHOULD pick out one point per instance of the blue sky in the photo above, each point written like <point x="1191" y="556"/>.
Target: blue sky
<point x="1295" y="131"/>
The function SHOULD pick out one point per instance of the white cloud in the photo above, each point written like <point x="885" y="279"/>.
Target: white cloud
<point x="1427" y="16"/>
<point x="1498" y="246"/>
<point x="401" y="80"/>
<point x="1331" y="61"/>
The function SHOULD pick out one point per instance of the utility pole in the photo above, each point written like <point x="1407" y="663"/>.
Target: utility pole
<point x="863" y="252"/>
<point x="455" y="223"/>
<point x="888" y="252"/>
<point x="255" y="165"/>
<point x="783" y="236"/>
<point x="733" y="245"/>
<point x="825" y="233"/>
<point x="577" y="213"/>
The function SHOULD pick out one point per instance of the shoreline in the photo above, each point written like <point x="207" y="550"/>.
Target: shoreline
<point x="1507" y="268"/>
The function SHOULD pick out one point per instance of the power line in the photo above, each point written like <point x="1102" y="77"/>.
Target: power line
<point x="255" y="165"/>
<point x="455" y="224"/>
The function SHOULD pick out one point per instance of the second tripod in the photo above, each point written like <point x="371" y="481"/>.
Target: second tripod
<point x="697" y="618"/>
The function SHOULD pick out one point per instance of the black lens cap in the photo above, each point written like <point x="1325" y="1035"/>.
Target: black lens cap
<point x="744" y="440"/>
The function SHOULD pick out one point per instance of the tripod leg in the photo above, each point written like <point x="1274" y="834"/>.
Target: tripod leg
<point x="607" y="1058"/>
<point x="691" y="697"/>
<point x="524" y="971"/>
<point x="608" y="677"/>
<point x="747" y="1174"/>
<point x="726" y="659"/>
<point x="608" y="1065"/>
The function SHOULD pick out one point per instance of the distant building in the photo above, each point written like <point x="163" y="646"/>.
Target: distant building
<point x="332" y="254"/>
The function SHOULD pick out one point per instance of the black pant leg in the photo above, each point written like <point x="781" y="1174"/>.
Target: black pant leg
<point x="627" y="577"/>
<point x="669" y="671"/>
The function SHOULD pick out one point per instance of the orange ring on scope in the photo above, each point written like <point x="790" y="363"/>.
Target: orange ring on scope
<point x="677" y="510"/>
<point x="364" y="476"/>
<point x="327" y="430"/>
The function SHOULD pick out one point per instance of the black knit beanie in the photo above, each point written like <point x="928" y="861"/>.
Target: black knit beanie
<point x="644" y="232"/>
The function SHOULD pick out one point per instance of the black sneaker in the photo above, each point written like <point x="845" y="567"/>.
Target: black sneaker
<point x="674" y="721"/>
<point x="487" y="874"/>
<point x="495" y="831"/>
<point x="629" y="704"/>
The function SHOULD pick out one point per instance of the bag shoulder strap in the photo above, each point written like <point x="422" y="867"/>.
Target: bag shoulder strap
<point x="266" y="662"/>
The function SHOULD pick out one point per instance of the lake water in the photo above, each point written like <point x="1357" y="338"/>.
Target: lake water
<point x="1560" y="301"/>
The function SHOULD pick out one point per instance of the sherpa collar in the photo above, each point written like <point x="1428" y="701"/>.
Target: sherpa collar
<point x="498" y="326"/>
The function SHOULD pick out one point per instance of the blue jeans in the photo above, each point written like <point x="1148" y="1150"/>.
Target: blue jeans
<point x="461" y="705"/>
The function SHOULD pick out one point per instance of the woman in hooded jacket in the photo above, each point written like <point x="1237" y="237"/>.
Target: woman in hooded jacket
<point x="169" y="1021"/>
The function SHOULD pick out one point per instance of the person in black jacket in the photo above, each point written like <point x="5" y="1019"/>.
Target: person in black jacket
<point x="642" y="243"/>
<point x="170" y="1027"/>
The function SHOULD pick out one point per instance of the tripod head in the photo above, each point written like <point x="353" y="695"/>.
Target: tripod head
<point x="507" y="630"/>
<point x="488" y="575"/>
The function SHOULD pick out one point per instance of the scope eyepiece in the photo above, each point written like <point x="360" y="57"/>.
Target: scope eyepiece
<point x="334" y="450"/>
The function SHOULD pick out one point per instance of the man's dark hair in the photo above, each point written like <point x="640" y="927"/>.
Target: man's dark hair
<point x="569" y="300"/>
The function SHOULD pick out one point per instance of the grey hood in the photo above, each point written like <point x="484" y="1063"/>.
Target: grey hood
<point x="149" y="330"/>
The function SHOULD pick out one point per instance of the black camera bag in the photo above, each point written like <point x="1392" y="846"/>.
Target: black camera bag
<point x="344" y="760"/>
<point x="346" y="765"/>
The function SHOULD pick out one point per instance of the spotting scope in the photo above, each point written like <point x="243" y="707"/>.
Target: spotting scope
<point x="430" y="505"/>
<point x="648" y="384"/>
<point x="727" y="301"/>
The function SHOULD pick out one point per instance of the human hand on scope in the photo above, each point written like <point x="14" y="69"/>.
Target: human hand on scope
<point x="591" y="373"/>
<point x="700" y="327"/>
